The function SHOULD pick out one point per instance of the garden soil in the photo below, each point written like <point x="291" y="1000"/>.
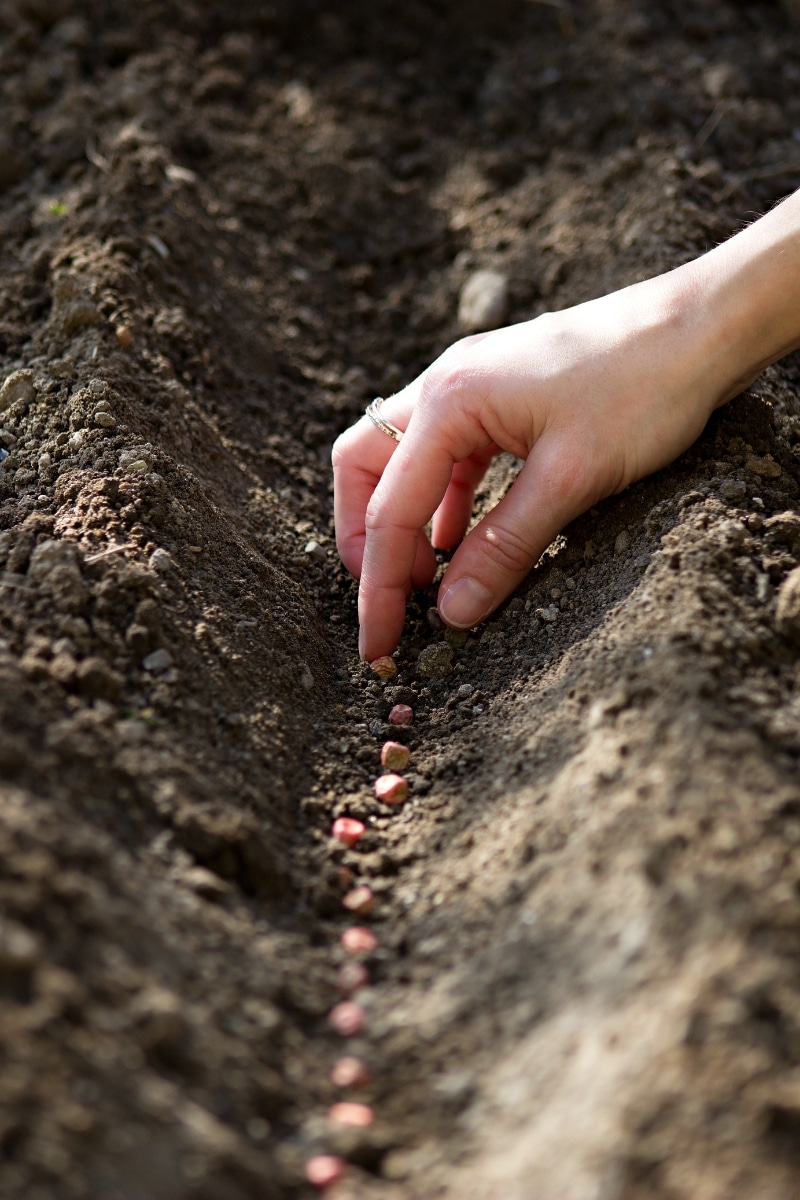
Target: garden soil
<point x="224" y="229"/>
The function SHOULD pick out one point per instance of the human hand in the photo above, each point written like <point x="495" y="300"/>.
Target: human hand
<point x="592" y="398"/>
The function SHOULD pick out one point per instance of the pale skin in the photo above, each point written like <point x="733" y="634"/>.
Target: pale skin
<point x="592" y="398"/>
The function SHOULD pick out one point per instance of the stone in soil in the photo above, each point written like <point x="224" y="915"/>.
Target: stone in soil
<point x="787" y="614"/>
<point x="436" y="661"/>
<point x="483" y="302"/>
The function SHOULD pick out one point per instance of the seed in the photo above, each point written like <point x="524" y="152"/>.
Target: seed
<point x="358" y="940"/>
<point x="351" y="977"/>
<point x="325" y="1169"/>
<point x="348" y="1113"/>
<point x="350" y="1072"/>
<point x="401" y="714"/>
<point x="395" y="756"/>
<point x="124" y="336"/>
<point x="347" y="1018"/>
<point x="360" y="900"/>
<point x="348" y="830"/>
<point x="384" y="667"/>
<point x="391" y="789"/>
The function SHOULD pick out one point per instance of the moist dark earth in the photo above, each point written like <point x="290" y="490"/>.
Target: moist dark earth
<point x="224" y="229"/>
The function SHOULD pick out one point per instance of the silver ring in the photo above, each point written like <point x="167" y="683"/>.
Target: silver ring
<point x="373" y="412"/>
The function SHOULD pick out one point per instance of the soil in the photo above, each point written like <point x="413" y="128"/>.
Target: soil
<point x="225" y="228"/>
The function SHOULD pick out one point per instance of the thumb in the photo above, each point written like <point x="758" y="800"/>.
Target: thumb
<point x="554" y="486"/>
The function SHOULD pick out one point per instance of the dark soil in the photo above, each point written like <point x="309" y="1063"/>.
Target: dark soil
<point x="224" y="229"/>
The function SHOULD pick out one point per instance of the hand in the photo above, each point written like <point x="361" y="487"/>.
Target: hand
<point x="592" y="398"/>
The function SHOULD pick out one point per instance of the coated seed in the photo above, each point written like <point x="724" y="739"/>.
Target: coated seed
<point x="395" y="756"/>
<point x="359" y="1116"/>
<point x="348" y="830"/>
<point x="385" y="667"/>
<point x="325" y="1169"/>
<point x="351" y="977"/>
<point x="401" y="714"/>
<point x="360" y="900"/>
<point x="391" y="789"/>
<point x="359" y="940"/>
<point x="347" y="1018"/>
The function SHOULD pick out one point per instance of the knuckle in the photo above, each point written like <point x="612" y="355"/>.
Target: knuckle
<point x="507" y="549"/>
<point x="450" y="378"/>
<point x="339" y="450"/>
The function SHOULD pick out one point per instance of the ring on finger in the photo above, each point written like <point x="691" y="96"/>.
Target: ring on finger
<point x="373" y="412"/>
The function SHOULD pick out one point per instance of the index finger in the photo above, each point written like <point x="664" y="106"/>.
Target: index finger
<point x="404" y="500"/>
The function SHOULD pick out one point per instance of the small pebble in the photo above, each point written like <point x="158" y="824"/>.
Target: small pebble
<point x="347" y="1018"/>
<point x="158" y="661"/>
<point x="360" y="900"/>
<point x="351" y="977"/>
<point x="391" y="789"/>
<point x="787" y="615"/>
<point x="160" y="560"/>
<point x="395" y="756"/>
<point x="104" y="419"/>
<point x="350" y="1072"/>
<point x="622" y="542"/>
<point x="346" y="1112"/>
<point x="315" y="550"/>
<point x="483" y="302"/>
<point x="358" y="940"/>
<point x="325" y="1169"/>
<point x="401" y="714"/>
<point x="385" y="667"/>
<point x="348" y="830"/>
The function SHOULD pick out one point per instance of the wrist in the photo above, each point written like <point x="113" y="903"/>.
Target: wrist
<point x="745" y="296"/>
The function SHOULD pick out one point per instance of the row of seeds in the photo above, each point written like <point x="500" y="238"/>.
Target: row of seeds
<point x="347" y="1017"/>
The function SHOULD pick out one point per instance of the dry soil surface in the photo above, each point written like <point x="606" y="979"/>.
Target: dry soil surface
<point x="225" y="228"/>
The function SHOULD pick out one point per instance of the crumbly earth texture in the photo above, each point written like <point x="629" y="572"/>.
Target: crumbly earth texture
<point x="224" y="229"/>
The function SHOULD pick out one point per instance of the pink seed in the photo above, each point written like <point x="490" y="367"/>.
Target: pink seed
<point x="358" y="940"/>
<point x="348" y="830"/>
<point x="391" y="789"/>
<point x="401" y="714"/>
<point x="395" y="756"/>
<point x="348" y="1113"/>
<point x="360" y="900"/>
<point x="385" y="667"/>
<point x="351" y="977"/>
<point x="325" y="1169"/>
<point x="347" y="1018"/>
<point x="350" y="1072"/>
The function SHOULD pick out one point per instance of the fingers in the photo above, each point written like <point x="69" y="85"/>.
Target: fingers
<point x="411" y="488"/>
<point x="557" y="482"/>
<point x="359" y="458"/>
<point x="453" y="515"/>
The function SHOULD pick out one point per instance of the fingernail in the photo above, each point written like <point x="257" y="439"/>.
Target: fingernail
<point x="465" y="603"/>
